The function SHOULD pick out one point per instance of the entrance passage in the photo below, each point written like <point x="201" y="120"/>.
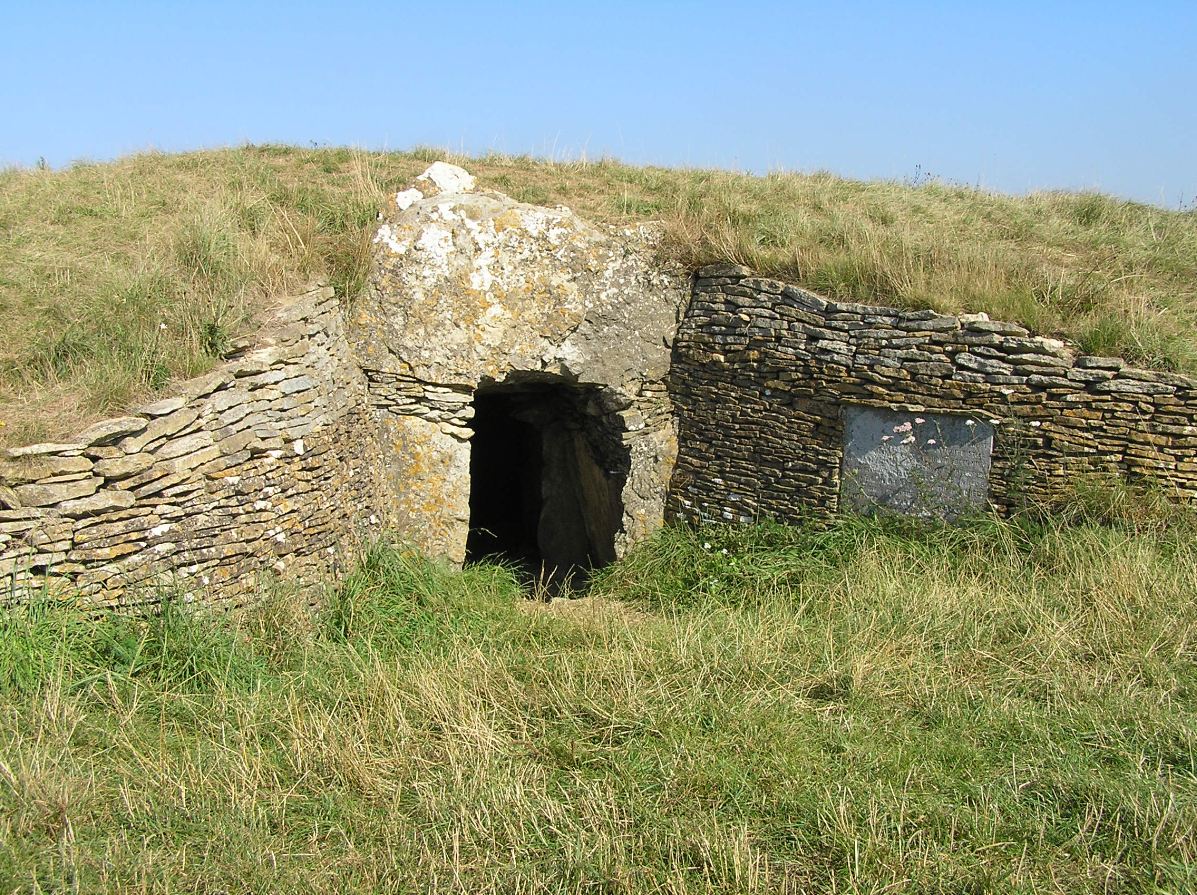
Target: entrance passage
<point x="546" y="478"/>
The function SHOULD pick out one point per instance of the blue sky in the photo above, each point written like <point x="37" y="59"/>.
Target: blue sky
<point x="1010" y="96"/>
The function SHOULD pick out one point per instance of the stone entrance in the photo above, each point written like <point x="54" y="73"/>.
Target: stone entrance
<point x="516" y="359"/>
<point x="547" y="472"/>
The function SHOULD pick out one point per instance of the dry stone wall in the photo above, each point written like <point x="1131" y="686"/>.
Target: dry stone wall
<point x="758" y="399"/>
<point x="262" y="466"/>
<point x="765" y="375"/>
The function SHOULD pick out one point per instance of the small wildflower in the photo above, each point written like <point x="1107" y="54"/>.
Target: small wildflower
<point x="930" y="441"/>
<point x="706" y="545"/>
<point x="886" y="437"/>
<point x="724" y="551"/>
<point x="909" y="439"/>
<point x="161" y="326"/>
<point x="919" y="420"/>
<point x="970" y="422"/>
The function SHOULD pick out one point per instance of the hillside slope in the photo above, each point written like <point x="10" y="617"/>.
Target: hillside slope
<point x="117" y="278"/>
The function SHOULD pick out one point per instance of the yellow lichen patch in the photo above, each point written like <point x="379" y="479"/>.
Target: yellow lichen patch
<point x="507" y="220"/>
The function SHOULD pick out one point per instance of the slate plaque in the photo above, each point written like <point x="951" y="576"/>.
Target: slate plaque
<point x="918" y="464"/>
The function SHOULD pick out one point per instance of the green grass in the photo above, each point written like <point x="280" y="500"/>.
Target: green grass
<point x="1000" y="707"/>
<point x="117" y="278"/>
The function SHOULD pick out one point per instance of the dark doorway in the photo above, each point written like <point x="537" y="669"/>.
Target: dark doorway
<point x="547" y="471"/>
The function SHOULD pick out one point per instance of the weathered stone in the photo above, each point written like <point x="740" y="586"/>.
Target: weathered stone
<point x="177" y="447"/>
<point x="25" y="469"/>
<point x="1134" y="387"/>
<point x="229" y="397"/>
<point x="196" y="458"/>
<point x="934" y="323"/>
<point x="49" y="495"/>
<point x="1102" y="363"/>
<point x="1037" y="360"/>
<point x="39" y="450"/>
<point x="996" y="327"/>
<point x="165" y="407"/>
<point x="124" y="466"/>
<point x="205" y="385"/>
<point x="981" y="365"/>
<point x="108" y="431"/>
<point x="162" y="427"/>
<point x="258" y="361"/>
<point x="101" y="502"/>
<point x="298" y="384"/>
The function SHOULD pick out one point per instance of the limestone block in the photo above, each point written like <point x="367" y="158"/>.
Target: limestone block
<point x="108" y="431"/>
<point x="39" y="450"/>
<point x="179" y="447"/>
<point x="198" y="457"/>
<point x="476" y="285"/>
<point x="165" y="407"/>
<point x="124" y="466"/>
<point x="1134" y="387"/>
<point x="25" y="469"/>
<point x="205" y="385"/>
<point x="162" y="427"/>
<point x="100" y="502"/>
<point x="49" y="495"/>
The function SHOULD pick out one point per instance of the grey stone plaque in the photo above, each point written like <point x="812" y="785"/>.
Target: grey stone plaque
<point x="918" y="464"/>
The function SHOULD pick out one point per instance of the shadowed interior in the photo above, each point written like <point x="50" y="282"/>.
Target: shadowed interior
<point x="545" y="481"/>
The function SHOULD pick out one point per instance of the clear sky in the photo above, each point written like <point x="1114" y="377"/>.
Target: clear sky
<point x="1010" y="96"/>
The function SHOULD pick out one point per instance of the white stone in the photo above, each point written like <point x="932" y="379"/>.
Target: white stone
<point x="407" y="198"/>
<point x="449" y="178"/>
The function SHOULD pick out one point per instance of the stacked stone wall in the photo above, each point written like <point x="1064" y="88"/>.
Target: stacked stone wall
<point x="762" y="372"/>
<point x="332" y="429"/>
<point x="264" y="466"/>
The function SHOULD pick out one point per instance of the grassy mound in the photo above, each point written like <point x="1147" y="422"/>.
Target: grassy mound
<point x="999" y="707"/>
<point x="117" y="278"/>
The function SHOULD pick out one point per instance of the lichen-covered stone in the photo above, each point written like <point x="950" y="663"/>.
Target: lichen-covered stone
<point x="123" y="466"/>
<point x="32" y="468"/>
<point x="469" y="286"/>
<point x="45" y="495"/>
<point x="108" y="431"/>
<point x="101" y="502"/>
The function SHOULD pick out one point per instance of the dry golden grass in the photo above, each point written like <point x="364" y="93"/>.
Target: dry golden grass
<point x="117" y="278"/>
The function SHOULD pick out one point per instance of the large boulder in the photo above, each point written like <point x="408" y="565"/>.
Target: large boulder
<point x="469" y="285"/>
